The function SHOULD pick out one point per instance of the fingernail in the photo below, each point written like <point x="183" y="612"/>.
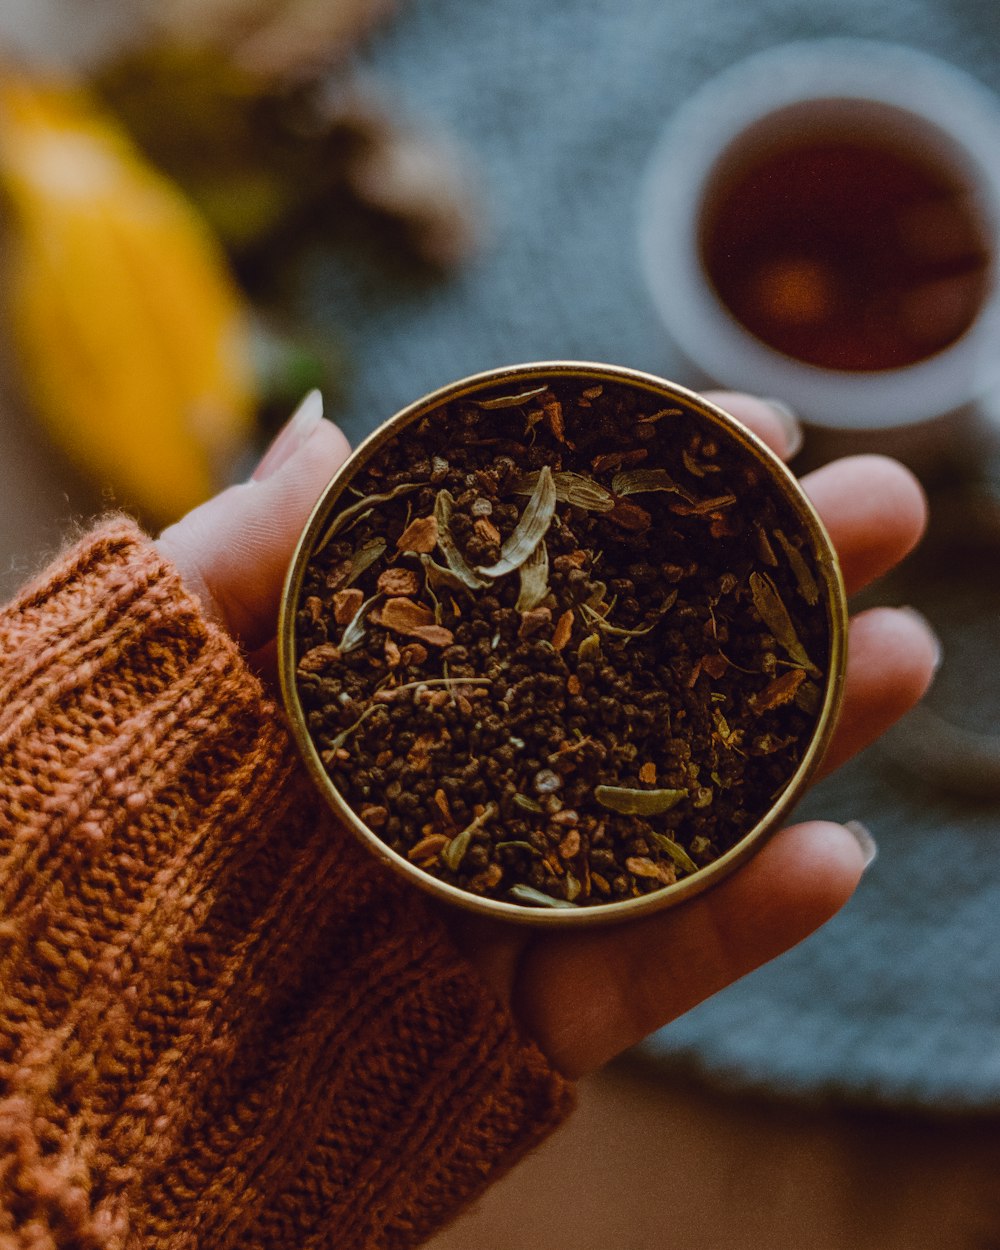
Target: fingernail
<point x="862" y="835"/>
<point x="918" y="616"/>
<point x="290" y="437"/>
<point x="789" y="423"/>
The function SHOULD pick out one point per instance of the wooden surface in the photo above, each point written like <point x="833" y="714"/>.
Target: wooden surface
<point x="655" y="1164"/>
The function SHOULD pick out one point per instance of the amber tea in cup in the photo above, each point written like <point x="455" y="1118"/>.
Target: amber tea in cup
<point x="819" y="222"/>
<point x="845" y="251"/>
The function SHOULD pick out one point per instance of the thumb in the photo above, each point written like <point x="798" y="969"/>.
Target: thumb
<point x="233" y="550"/>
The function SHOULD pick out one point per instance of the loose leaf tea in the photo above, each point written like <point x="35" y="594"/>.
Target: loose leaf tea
<point x="590" y="650"/>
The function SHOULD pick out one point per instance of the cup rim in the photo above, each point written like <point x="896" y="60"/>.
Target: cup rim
<point x="961" y="112"/>
<point x="828" y="569"/>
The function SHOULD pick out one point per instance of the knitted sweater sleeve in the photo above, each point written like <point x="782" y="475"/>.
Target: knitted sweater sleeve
<point x="221" y="1023"/>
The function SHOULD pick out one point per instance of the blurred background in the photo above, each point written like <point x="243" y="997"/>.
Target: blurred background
<point x="209" y="206"/>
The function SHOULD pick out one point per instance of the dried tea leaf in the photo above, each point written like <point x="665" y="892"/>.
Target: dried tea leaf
<point x="764" y="548"/>
<point x="629" y="516"/>
<point x="647" y="773"/>
<point x="454" y="853"/>
<point x="521" y="845"/>
<point x="444" y="505"/>
<point x="595" y="618"/>
<point x="364" y="558"/>
<point x="421" y="535"/>
<point x="702" y="507"/>
<point x="573" y="887"/>
<point x="355" y="509"/>
<point x="572" y="488"/>
<point x="692" y="465"/>
<point x="354" y="634"/>
<point x="344" y="734"/>
<point x="534" y="579"/>
<point x="511" y="401"/>
<point x="644" y="481"/>
<point x="528" y="803"/>
<point x="641" y="866"/>
<point x="563" y="630"/>
<point x="530" y="529"/>
<point x="806" y="582"/>
<point x="774" y="614"/>
<point x="609" y="461"/>
<point x="437" y="575"/>
<point x="631" y="802"/>
<point x="590" y="648"/>
<point x="809" y="698"/>
<point x="528" y="894"/>
<point x="676" y="852"/>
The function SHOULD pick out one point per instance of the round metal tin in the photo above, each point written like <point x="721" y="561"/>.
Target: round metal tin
<point x="784" y="483"/>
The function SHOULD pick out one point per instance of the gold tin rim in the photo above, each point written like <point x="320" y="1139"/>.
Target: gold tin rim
<point x="751" y="842"/>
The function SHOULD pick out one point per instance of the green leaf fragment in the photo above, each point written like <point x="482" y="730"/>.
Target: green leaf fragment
<point x="806" y="582"/>
<point x="772" y="611"/>
<point x="676" y="852"/>
<point x="528" y="894"/>
<point x="629" y="802"/>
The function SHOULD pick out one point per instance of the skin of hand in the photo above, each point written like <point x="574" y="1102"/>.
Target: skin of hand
<point x="585" y="997"/>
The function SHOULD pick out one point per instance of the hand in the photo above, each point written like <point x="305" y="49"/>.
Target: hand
<point x="585" y="997"/>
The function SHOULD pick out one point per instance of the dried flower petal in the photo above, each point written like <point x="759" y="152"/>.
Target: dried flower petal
<point x="631" y="802"/>
<point x="530" y="529"/>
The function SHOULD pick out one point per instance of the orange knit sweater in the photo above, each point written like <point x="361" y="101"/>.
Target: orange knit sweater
<point x="222" y="1024"/>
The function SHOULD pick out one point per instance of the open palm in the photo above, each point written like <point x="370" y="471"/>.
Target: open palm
<point x="583" y="997"/>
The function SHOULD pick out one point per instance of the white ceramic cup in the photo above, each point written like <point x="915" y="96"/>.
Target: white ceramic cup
<point x="903" y="97"/>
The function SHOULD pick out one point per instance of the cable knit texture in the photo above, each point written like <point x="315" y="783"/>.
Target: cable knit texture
<point x="222" y="1023"/>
